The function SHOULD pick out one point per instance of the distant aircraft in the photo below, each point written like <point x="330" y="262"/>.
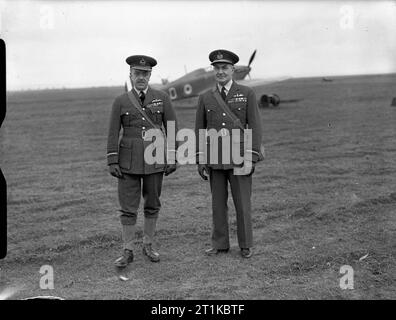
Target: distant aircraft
<point x="327" y="80"/>
<point x="195" y="82"/>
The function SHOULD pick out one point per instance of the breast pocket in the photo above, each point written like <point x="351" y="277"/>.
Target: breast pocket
<point x="212" y="116"/>
<point x="239" y="109"/>
<point x="126" y="119"/>
<point x="125" y="154"/>
<point x="158" y="113"/>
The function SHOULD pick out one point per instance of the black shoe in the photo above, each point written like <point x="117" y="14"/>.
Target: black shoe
<point x="213" y="251"/>
<point x="150" y="253"/>
<point x="246" y="252"/>
<point x="125" y="259"/>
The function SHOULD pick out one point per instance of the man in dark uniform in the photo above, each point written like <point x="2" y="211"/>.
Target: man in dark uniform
<point x="241" y="101"/>
<point x="125" y="156"/>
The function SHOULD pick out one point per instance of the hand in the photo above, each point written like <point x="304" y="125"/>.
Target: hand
<point x="246" y="170"/>
<point x="252" y="169"/>
<point x="170" y="168"/>
<point x="252" y="166"/>
<point x="203" y="171"/>
<point x="115" y="171"/>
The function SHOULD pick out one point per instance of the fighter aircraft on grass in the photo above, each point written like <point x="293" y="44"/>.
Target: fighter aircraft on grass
<point x="195" y="82"/>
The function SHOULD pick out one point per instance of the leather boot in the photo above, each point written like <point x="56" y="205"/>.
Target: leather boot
<point x="128" y="236"/>
<point x="149" y="231"/>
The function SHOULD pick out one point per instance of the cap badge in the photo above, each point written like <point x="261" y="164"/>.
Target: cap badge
<point x="219" y="56"/>
<point x="142" y="62"/>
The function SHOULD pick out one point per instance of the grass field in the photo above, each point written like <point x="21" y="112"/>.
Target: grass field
<point x="324" y="197"/>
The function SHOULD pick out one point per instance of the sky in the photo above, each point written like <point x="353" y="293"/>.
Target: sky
<point x="61" y="44"/>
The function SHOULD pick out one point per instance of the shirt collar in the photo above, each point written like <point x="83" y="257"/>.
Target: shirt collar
<point x="227" y="86"/>
<point x="138" y="91"/>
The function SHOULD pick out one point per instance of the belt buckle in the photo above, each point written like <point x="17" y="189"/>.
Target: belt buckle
<point x="223" y="132"/>
<point x="143" y="134"/>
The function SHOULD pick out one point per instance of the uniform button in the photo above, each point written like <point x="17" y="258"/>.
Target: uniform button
<point x="224" y="114"/>
<point x="144" y="109"/>
<point x="223" y="124"/>
<point x="127" y="113"/>
<point x="143" y="118"/>
<point x="143" y="128"/>
<point x="239" y="108"/>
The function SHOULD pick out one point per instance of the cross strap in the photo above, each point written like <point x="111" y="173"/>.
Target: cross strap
<point x="136" y="104"/>
<point x="235" y="119"/>
<point x="227" y="110"/>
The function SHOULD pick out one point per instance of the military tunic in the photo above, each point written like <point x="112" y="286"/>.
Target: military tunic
<point x="242" y="102"/>
<point x="127" y="150"/>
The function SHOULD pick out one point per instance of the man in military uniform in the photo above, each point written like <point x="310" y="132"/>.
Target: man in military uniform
<point x="125" y="156"/>
<point x="241" y="101"/>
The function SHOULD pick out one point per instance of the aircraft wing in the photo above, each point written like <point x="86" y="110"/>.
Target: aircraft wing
<point x="260" y="82"/>
<point x="255" y="83"/>
<point x="157" y="86"/>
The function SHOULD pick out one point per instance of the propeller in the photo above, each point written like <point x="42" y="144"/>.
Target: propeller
<point x="250" y="61"/>
<point x="252" y="57"/>
<point x="164" y="81"/>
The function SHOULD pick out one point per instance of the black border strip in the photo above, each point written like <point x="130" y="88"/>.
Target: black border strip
<point x="3" y="184"/>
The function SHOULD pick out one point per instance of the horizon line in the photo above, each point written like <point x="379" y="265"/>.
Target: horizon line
<point x="122" y="85"/>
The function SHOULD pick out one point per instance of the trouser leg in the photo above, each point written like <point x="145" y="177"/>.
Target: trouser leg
<point x="152" y="185"/>
<point x="129" y="190"/>
<point x="149" y="229"/>
<point x="241" y="189"/>
<point x="219" y="190"/>
<point x="128" y="236"/>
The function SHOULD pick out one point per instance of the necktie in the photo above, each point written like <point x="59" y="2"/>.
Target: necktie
<point x="142" y="96"/>
<point x="223" y="93"/>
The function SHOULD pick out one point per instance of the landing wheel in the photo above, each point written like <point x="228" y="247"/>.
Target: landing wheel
<point x="269" y="100"/>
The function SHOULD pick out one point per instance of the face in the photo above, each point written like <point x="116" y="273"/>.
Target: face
<point x="140" y="78"/>
<point x="223" y="72"/>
